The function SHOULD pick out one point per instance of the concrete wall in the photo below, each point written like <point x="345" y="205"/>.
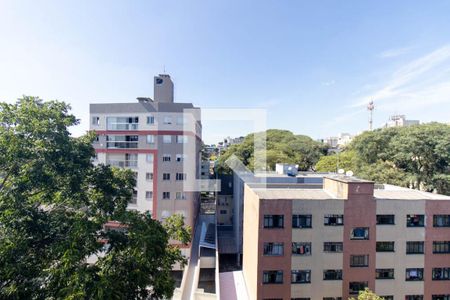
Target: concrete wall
<point x="318" y="260"/>
<point x="251" y="242"/>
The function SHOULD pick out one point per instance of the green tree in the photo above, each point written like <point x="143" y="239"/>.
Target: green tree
<point x="346" y="160"/>
<point x="416" y="156"/>
<point x="367" y="295"/>
<point x="54" y="204"/>
<point x="282" y="146"/>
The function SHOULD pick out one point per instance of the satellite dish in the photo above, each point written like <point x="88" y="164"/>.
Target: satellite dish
<point x="341" y="171"/>
<point x="349" y="173"/>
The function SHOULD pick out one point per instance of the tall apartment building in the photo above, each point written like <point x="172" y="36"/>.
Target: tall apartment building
<point x="331" y="242"/>
<point x="158" y="139"/>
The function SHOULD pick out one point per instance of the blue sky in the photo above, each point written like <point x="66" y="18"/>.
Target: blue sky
<point x="312" y="64"/>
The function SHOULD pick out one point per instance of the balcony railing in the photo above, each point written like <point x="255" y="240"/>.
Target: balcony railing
<point x="123" y="126"/>
<point x="121" y="145"/>
<point x="122" y="163"/>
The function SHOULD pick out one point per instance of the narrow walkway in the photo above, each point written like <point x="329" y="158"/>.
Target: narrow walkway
<point x="188" y="287"/>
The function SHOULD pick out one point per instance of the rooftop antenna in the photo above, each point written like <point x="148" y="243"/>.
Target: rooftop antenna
<point x="164" y="68"/>
<point x="370" y="108"/>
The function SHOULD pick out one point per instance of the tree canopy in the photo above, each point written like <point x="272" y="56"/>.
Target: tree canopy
<point x="54" y="204"/>
<point x="282" y="146"/>
<point x="416" y="156"/>
<point x="367" y="295"/>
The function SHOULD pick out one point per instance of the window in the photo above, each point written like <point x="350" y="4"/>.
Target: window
<point x="148" y="176"/>
<point x="166" y="157"/>
<point x="385" y="219"/>
<point x="359" y="233"/>
<point x="272" y="277"/>
<point x="182" y="139"/>
<point x="150" y="139"/>
<point x="301" y="248"/>
<point x="96" y="121"/>
<point x="180" y="195"/>
<point x="122" y="123"/>
<point x="150" y="120"/>
<point x="355" y="287"/>
<point x="122" y="141"/>
<point x="97" y="138"/>
<point x="149" y="158"/>
<point x="333" y="220"/>
<point x="301" y="276"/>
<point x="385" y="247"/>
<point x="384" y="273"/>
<point x="332" y="274"/>
<point x="301" y="221"/>
<point x="134" y="197"/>
<point x="359" y="260"/>
<point x="414" y="297"/>
<point x="166" y="176"/>
<point x="273" y="249"/>
<point x="440" y="297"/>
<point x="414" y="247"/>
<point x="441" y="247"/>
<point x="180" y="157"/>
<point x="388" y="297"/>
<point x="333" y="247"/>
<point x="148" y="195"/>
<point x="415" y="221"/>
<point x="441" y="274"/>
<point x="167" y="120"/>
<point x="223" y="211"/>
<point x="273" y="221"/>
<point x="441" y="220"/>
<point x="181" y="176"/>
<point x="414" y="274"/>
<point x="332" y="298"/>
<point x="166" y="195"/>
<point x="167" y="139"/>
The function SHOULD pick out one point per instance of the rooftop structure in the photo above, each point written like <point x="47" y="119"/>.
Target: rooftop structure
<point x="400" y="121"/>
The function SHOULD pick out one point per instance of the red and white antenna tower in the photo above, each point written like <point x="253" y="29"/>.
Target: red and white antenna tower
<point x="370" y="108"/>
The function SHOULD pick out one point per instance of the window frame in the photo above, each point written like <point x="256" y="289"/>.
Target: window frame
<point x="300" y="221"/>
<point x="337" y="217"/>
<point x="307" y="248"/>
<point x="304" y="275"/>
<point x="267" y="218"/>
<point x="271" y="246"/>
<point x="269" y="273"/>
<point x="415" y="278"/>
<point x="389" y="218"/>
<point x="366" y="233"/>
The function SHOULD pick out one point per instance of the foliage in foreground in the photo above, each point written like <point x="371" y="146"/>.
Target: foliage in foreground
<point x="53" y="206"/>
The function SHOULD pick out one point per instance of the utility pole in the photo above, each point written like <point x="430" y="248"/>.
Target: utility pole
<point x="370" y="108"/>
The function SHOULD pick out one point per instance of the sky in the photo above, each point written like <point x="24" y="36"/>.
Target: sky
<point x="312" y="65"/>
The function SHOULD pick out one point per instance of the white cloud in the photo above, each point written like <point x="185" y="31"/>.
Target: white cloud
<point x="329" y="83"/>
<point x="418" y="84"/>
<point x="394" y="52"/>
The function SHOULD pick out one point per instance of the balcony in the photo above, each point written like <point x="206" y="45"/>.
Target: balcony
<point x="122" y="145"/>
<point x="122" y="163"/>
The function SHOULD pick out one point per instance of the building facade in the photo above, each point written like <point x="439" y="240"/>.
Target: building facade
<point x="160" y="140"/>
<point x="332" y="242"/>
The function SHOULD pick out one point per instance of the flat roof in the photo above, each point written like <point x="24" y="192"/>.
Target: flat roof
<point x="321" y="194"/>
<point x="300" y="194"/>
<point x="407" y="194"/>
<point x="347" y="179"/>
